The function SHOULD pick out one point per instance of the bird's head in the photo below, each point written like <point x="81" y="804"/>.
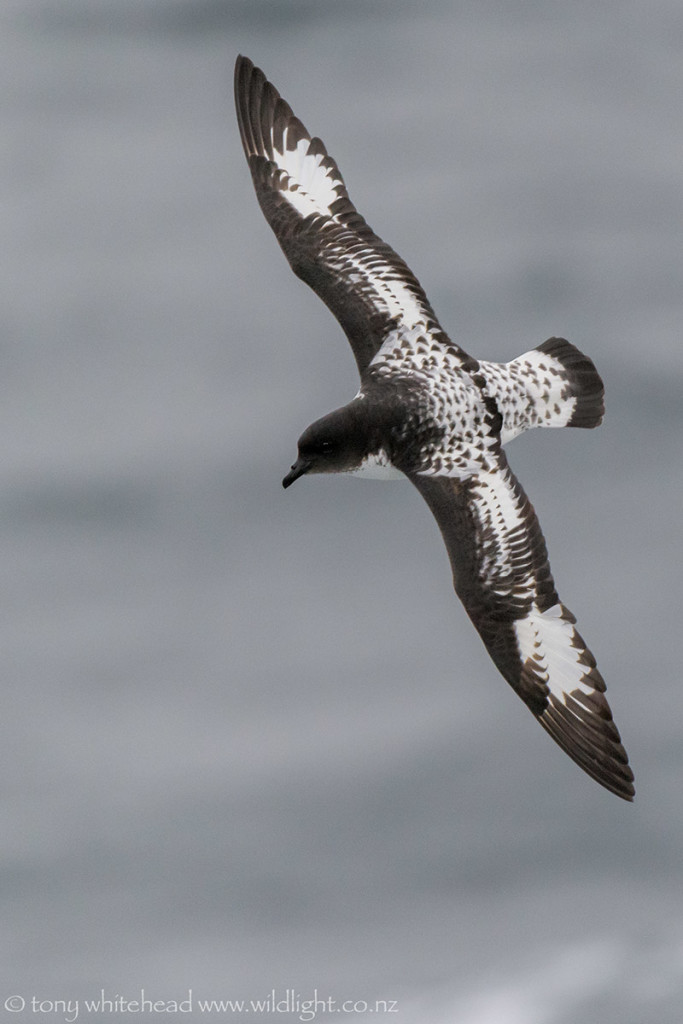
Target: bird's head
<point x="337" y="443"/>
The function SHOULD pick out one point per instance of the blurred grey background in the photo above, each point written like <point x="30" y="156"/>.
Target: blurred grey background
<point x="250" y="740"/>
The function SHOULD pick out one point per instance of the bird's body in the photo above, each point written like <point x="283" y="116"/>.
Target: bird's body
<point x="428" y="411"/>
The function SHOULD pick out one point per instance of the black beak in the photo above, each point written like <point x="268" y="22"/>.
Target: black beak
<point x="300" y="467"/>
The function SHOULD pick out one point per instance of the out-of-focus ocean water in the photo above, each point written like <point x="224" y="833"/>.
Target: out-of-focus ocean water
<point x="250" y="741"/>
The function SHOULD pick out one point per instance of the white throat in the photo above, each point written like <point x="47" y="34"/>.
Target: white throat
<point x="377" y="467"/>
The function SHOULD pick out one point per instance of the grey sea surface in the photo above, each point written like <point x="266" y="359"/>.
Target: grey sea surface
<point x="252" y="747"/>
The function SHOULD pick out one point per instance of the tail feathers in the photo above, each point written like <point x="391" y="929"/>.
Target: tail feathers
<point x="579" y="381"/>
<point x="553" y="385"/>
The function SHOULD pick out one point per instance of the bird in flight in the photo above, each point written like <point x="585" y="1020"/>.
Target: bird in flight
<point x="430" y="412"/>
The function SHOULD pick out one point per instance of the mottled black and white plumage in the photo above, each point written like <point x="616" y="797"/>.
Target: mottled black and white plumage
<point x="429" y="411"/>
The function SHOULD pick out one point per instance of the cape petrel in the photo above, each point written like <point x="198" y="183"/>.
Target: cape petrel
<point x="429" y="411"/>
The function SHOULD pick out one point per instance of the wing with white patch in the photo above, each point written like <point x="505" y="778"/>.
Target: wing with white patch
<point x="502" y="576"/>
<point x="361" y="279"/>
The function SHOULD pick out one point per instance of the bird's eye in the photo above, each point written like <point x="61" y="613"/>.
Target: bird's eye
<point x="325" y="447"/>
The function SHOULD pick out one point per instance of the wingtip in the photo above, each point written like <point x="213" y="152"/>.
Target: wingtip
<point x="627" y="795"/>
<point x="604" y="759"/>
<point x="243" y="68"/>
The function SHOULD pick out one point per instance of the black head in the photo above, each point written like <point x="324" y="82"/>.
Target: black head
<point x="336" y="443"/>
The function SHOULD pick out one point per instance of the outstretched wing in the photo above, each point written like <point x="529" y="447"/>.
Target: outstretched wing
<point x="365" y="284"/>
<point x="502" y="576"/>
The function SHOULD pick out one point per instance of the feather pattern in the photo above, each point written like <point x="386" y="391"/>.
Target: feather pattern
<point x="329" y="245"/>
<point x="502" y="576"/>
